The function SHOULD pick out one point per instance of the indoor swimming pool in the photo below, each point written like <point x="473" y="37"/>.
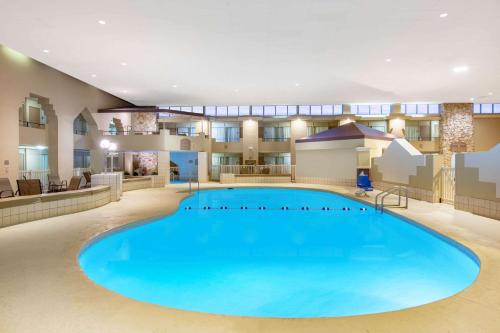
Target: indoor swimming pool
<point x="289" y="253"/>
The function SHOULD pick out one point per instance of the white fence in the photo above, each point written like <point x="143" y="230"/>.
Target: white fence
<point x="258" y="170"/>
<point x="43" y="175"/>
<point x="447" y="185"/>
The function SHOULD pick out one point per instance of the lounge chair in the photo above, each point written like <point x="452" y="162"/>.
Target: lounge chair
<point x="364" y="185"/>
<point x="74" y="183"/>
<point x="5" y="188"/>
<point x="88" y="178"/>
<point x="56" y="184"/>
<point x="29" y="186"/>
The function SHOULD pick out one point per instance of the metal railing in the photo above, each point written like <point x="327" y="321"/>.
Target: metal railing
<point x="43" y="175"/>
<point x="130" y="132"/>
<point x="401" y="191"/>
<point x="174" y="173"/>
<point x="257" y="170"/>
<point x="31" y="124"/>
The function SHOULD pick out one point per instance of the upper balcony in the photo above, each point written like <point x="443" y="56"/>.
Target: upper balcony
<point x="155" y="140"/>
<point x="274" y="145"/>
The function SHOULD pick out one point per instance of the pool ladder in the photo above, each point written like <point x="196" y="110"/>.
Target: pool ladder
<point x="401" y="191"/>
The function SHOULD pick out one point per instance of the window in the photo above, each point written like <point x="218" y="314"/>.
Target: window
<point x="487" y="108"/>
<point x="225" y="159"/>
<point x="275" y="159"/>
<point x="420" y="109"/>
<point x="33" y="158"/>
<point x="273" y="131"/>
<point x="80" y="125"/>
<point x="423" y="130"/>
<point x="379" y="125"/>
<point x="226" y="132"/>
<point x="371" y="109"/>
<point x="258" y="110"/>
<point x="185" y="129"/>
<point x="31" y="114"/>
<point x="317" y="127"/>
<point x="210" y="111"/>
<point x="81" y="158"/>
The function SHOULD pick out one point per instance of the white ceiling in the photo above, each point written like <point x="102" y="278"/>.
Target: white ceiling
<point x="257" y="51"/>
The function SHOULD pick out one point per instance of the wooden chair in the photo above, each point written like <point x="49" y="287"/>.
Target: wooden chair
<point x="29" y="186"/>
<point x="74" y="183"/>
<point x="88" y="178"/>
<point x="5" y="188"/>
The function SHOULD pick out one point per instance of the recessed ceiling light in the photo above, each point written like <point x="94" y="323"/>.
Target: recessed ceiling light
<point x="125" y="91"/>
<point x="236" y="90"/>
<point x="460" y="69"/>
<point x="297" y="84"/>
<point x="174" y="86"/>
<point x="490" y="94"/>
<point x="123" y="63"/>
<point x="45" y="51"/>
<point x="472" y="99"/>
<point x="101" y="22"/>
<point x="94" y="75"/>
<point x="388" y="60"/>
<point x="443" y="15"/>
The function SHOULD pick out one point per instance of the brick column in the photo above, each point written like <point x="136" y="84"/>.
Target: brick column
<point x="456" y="129"/>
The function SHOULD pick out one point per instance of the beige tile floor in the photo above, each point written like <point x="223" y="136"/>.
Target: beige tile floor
<point x="42" y="288"/>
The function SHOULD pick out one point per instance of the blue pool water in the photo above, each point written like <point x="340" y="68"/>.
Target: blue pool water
<point x="275" y="262"/>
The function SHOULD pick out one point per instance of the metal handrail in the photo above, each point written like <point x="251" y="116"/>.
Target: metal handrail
<point x="388" y="192"/>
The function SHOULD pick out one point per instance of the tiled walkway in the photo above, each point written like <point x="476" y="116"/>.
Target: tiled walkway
<point x="42" y="288"/>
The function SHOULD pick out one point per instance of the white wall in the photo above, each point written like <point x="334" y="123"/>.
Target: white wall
<point x="399" y="162"/>
<point x="488" y="163"/>
<point x="336" y="164"/>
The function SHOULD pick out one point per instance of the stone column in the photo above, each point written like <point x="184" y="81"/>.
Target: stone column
<point x="456" y="130"/>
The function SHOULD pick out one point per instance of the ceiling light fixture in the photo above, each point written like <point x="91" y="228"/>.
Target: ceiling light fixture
<point x="490" y="94"/>
<point x="94" y="75"/>
<point x="174" y="86"/>
<point x="125" y="91"/>
<point x="460" y="69"/>
<point x="472" y="99"/>
<point x="46" y="51"/>
<point x="297" y="84"/>
<point x="443" y="15"/>
<point x="102" y="22"/>
<point x="388" y="60"/>
<point x="123" y="63"/>
<point x="236" y="90"/>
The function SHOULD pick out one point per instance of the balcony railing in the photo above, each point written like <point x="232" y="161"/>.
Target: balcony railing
<point x="31" y="124"/>
<point x="275" y="139"/>
<point x="43" y="175"/>
<point x="258" y="170"/>
<point x="130" y="132"/>
<point x="421" y="138"/>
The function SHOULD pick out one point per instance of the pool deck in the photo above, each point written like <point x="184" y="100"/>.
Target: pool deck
<point x="43" y="289"/>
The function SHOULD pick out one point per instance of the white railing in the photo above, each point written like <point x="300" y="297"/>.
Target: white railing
<point x="447" y="185"/>
<point x="258" y="170"/>
<point x="80" y="171"/>
<point x="43" y="175"/>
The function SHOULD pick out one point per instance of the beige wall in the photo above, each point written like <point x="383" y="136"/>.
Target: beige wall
<point x="22" y="76"/>
<point x="298" y="130"/>
<point x="33" y="136"/>
<point x="486" y="133"/>
<point x="250" y="139"/>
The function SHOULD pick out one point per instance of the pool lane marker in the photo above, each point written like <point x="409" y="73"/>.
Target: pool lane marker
<point x="303" y="208"/>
